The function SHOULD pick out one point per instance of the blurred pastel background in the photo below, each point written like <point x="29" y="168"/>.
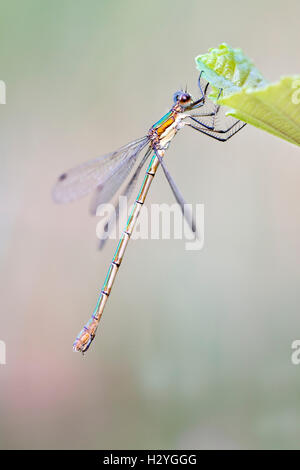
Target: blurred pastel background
<point x="194" y="349"/>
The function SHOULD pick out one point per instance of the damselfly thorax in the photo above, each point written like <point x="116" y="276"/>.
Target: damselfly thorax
<point x="107" y="174"/>
<point x="164" y="130"/>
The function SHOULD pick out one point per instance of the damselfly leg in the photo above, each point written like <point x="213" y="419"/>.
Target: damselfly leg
<point x="213" y="121"/>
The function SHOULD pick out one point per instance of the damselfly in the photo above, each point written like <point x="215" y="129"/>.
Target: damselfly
<point x="106" y="174"/>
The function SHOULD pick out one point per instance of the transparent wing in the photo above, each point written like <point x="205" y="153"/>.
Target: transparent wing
<point x="127" y="192"/>
<point x="81" y="180"/>
<point x="178" y="196"/>
<point x="105" y="192"/>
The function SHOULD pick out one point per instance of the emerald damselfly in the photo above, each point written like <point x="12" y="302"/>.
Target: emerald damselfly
<point x="106" y="174"/>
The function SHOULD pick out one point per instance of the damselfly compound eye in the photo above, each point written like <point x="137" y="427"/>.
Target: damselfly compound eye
<point x="185" y="98"/>
<point x="177" y="96"/>
<point x="182" y="97"/>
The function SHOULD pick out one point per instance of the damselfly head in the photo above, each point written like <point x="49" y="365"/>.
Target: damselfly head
<point x="183" y="98"/>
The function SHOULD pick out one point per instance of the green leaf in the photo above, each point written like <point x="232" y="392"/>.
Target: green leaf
<point x="229" y="69"/>
<point x="273" y="107"/>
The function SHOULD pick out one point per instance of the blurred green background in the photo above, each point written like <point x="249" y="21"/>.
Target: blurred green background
<point x="194" y="349"/>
